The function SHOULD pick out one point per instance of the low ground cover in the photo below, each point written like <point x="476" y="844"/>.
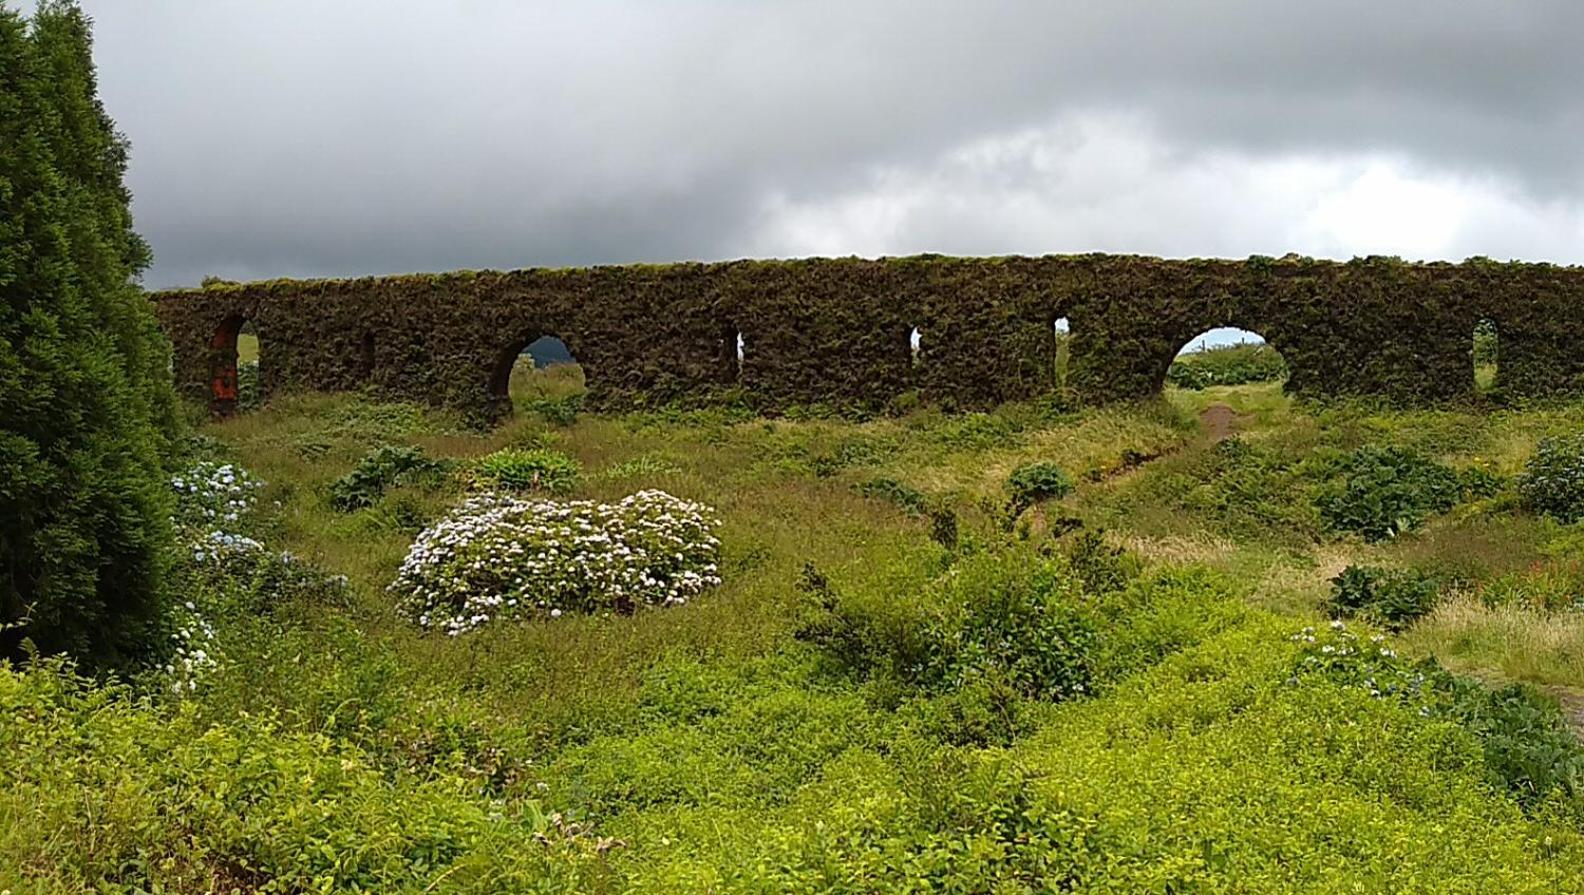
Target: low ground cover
<point x="1133" y="685"/>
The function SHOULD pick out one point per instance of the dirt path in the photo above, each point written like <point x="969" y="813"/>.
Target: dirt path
<point x="1219" y="422"/>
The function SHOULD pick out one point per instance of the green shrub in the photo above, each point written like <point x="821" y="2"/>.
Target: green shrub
<point x="1552" y="482"/>
<point x="1227" y="365"/>
<point x="529" y="470"/>
<point x="1033" y="482"/>
<point x="1393" y="597"/>
<point x="378" y="470"/>
<point x="1381" y="492"/>
<point x="88" y="417"/>
<point x="909" y="498"/>
<point x="1013" y="615"/>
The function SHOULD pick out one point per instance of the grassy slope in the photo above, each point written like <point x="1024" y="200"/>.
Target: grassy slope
<point x="725" y="758"/>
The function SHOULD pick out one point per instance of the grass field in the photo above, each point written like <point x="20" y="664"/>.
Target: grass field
<point x="1134" y="687"/>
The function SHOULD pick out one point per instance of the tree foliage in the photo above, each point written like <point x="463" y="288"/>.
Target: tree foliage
<point x="87" y="414"/>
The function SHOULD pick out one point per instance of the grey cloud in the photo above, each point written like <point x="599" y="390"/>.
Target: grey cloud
<point x="302" y="138"/>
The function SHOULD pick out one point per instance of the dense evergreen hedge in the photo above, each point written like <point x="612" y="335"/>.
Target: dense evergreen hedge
<point x="837" y="331"/>
<point x="87" y="413"/>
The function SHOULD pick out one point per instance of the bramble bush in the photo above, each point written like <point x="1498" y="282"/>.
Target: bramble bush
<point x="533" y="469"/>
<point x="380" y="469"/>
<point x="499" y="557"/>
<point x="1392" y="597"/>
<point x="1552" y="482"/>
<point x="1381" y="492"/>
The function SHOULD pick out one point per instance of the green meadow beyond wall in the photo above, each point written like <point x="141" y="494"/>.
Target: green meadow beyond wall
<point x="838" y="332"/>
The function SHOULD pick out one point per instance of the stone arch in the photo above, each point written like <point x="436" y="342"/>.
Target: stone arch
<point x="222" y="378"/>
<point x="1221" y="338"/>
<point x="1486" y="355"/>
<point x="499" y="394"/>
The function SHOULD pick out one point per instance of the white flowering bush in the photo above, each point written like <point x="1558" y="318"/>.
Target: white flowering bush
<point x="211" y="496"/>
<point x="498" y="556"/>
<point x="225" y="569"/>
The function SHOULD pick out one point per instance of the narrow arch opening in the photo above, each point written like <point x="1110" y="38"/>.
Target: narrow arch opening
<point x="915" y="348"/>
<point x="535" y="371"/>
<point x="1226" y="356"/>
<point x="234" y="357"/>
<point x="1487" y="355"/>
<point x="1061" y="349"/>
<point x="730" y="348"/>
<point x="366" y="357"/>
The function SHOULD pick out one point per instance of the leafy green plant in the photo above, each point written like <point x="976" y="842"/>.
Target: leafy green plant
<point x="1552" y="482"/>
<point x="1393" y="597"/>
<point x="1381" y="492"/>
<point x="1034" y="482"/>
<point x="529" y="470"/>
<point x="378" y="470"/>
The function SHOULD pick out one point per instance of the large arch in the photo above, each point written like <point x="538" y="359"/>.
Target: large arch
<point x="513" y="354"/>
<point x="1247" y="356"/>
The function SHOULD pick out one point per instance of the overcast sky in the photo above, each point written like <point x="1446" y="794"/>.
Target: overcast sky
<point x="300" y="137"/>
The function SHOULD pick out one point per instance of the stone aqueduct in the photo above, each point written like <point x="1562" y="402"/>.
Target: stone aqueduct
<point x="838" y="332"/>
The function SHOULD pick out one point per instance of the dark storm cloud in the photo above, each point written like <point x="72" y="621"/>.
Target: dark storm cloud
<point x="296" y="138"/>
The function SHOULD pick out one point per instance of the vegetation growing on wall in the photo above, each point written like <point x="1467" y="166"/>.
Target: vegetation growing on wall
<point x="838" y="333"/>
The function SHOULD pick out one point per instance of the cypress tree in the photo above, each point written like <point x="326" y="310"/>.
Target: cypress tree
<point x="87" y="413"/>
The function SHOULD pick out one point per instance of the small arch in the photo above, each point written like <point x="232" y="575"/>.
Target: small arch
<point x="1225" y="355"/>
<point x="1486" y="354"/>
<point x="234" y="358"/>
<point x="365" y="365"/>
<point x="729" y="346"/>
<point x="1061" y="350"/>
<point x="534" y="368"/>
<point x="915" y="348"/>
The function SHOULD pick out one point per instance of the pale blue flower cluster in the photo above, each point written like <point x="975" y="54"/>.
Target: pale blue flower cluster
<point x="498" y="556"/>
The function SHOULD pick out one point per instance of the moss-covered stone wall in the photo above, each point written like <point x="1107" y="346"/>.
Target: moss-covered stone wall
<point x="838" y="332"/>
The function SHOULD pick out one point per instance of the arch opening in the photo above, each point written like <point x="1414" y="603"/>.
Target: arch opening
<point x="537" y="370"/>
<point x="730" y="348"/>
<point x="234" y="359"/>
<point x="1226" y="356"/>
<point x="1486" y="354"/>
<point x="915" y="349"/>
<point x="365" y="363"/>
<point x="1061" y="350"/>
